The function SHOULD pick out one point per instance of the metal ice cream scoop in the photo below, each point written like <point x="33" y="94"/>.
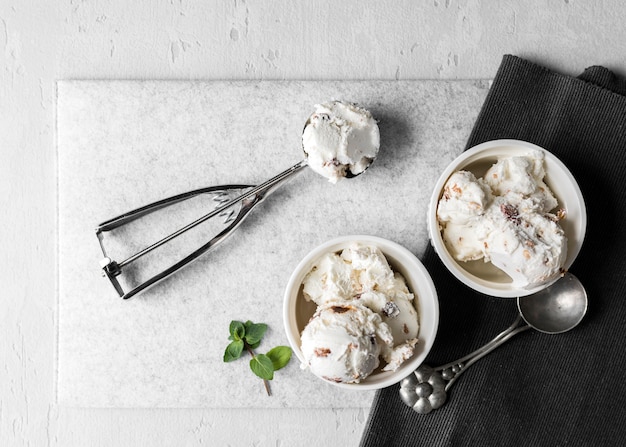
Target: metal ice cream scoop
<point x="233" y="202"/>
<point x="556" y="309"/>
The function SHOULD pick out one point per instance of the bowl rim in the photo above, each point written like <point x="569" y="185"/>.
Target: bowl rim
<point x="466" y="158"/>
<point x="428" y="294"/>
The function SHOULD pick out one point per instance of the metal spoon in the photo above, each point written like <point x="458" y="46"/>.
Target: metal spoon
<point x="554" y="310"/>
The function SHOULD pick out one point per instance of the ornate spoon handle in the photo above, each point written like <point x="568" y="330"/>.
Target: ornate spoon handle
<point x="426" y="388"/>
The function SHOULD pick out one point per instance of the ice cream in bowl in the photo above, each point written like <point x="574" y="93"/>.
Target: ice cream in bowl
<point x="360" y="312"/>
<point x="507" y="218"/>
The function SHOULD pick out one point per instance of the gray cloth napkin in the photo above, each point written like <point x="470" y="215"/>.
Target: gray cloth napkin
<point x="538" y="389"/>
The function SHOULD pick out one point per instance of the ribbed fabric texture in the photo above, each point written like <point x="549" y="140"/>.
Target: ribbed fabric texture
<point x="538" y="389"/>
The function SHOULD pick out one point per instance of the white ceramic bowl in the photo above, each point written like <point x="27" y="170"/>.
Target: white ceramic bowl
<point x="483" y="276"/>
<point x="297" y="311"/>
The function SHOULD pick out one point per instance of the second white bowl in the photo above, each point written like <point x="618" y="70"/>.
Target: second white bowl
<point x="483" y="276"/>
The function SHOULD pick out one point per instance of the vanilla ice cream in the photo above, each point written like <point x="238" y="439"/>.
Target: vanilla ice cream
<point x="340" y="139"/>
<point x="379" y="303"/>
<point x="522" y="180"/>
<point x="343" y="342"/>
<point x="505" y="218"/>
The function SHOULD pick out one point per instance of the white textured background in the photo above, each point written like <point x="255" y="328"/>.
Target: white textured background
<point x="42" y="41"/>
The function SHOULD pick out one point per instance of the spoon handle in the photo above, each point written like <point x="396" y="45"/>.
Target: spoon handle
<point x="426" y="389"/>
<point x="451" y="371"/>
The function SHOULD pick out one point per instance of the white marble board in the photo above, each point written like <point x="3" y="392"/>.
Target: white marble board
<point x="122" y="144"/>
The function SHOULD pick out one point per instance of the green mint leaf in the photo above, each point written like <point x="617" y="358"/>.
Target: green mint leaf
<point x="280" y="356"/>
<point x="262" y="366"/>
<point x="237" y="330"/>
<point x="233" y="351"/>
<point x="255" y="332"/>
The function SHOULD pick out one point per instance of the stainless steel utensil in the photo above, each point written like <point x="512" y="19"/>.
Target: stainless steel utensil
<point x="235" y="209"/>
<point x="245" y="202"/>
<point x="554" y="310"/>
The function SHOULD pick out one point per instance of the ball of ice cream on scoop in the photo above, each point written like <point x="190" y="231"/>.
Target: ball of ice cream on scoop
<point x="340" y="140"/>
<point x="342" y="342"/>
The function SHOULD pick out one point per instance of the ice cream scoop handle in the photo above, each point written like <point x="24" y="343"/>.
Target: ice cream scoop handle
<point x="248" y="200"/>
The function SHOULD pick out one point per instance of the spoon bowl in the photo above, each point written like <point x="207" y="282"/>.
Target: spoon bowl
<point x="557" y="308"/>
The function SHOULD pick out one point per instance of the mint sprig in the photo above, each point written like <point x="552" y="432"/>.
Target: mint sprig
<point x="247" y="336"/>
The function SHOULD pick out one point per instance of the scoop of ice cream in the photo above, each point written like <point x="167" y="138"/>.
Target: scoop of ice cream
<point x="370" y="269"/>
<point x="464" y="198"/>
<point x="529" y="247"/>
<point x="340" y="139"/>
<point x="342" y="343"/>
<point x="362" y="273"/>
<point x="330" y="279"/>
<point x="348" y="274"/>
<point x="360" y="276"/>
<point x="505" y="218"/>
<point x="524" y="177"/>
<point x="463" y="242"/>
<point x="398" y="309"/>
